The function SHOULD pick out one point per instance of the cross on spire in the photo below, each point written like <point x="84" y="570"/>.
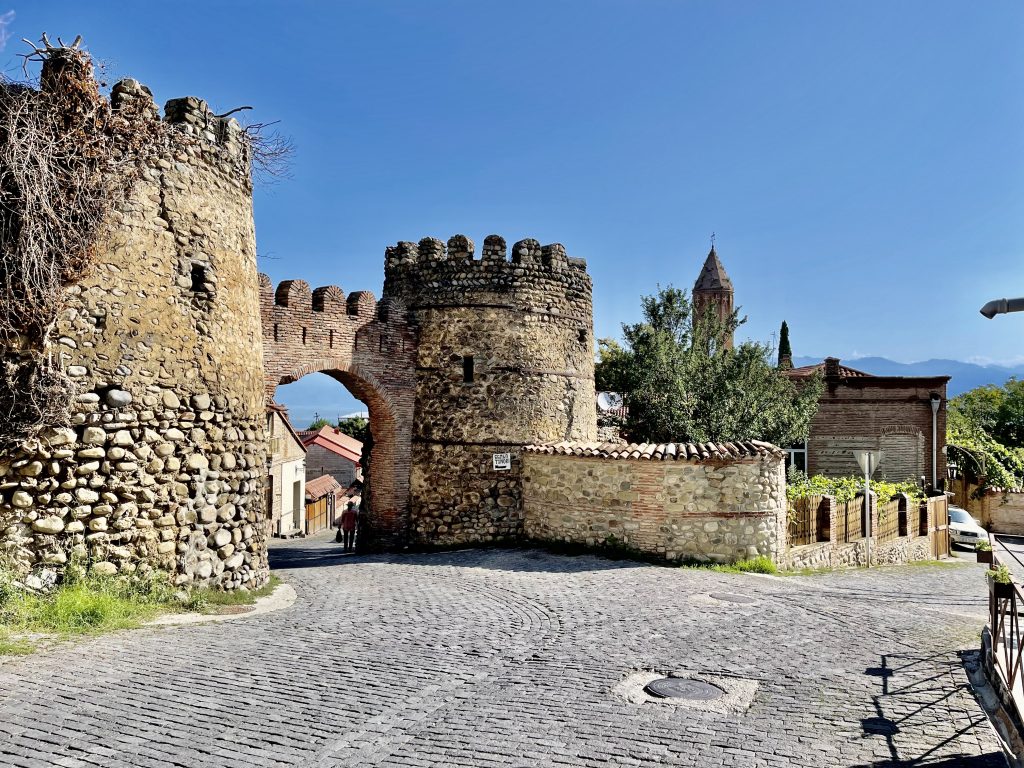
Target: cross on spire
<point x="712" y="241"/>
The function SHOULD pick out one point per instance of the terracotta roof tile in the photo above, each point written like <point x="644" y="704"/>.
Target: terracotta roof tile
<point x="320" y="487"/>
<point x="659" y="451"/>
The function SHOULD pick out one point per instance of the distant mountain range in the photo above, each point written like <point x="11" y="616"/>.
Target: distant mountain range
<point x="965" y="375"/>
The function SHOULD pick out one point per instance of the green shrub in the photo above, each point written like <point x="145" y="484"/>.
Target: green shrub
<point x="800" y="486"/>
<point x="983" y="546"/>
<point x="1001" y="575"/>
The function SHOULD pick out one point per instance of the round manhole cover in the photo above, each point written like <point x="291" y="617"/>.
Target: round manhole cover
<point x="683" y="688"/>
<point x="731" y="597"/>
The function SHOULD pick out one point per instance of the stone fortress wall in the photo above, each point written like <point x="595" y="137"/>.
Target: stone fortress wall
<point x="677" y="502"/>
<point x="164" y="462"/>
<point x="504" y="359"/>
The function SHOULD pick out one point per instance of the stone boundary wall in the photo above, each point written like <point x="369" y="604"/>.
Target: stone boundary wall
<point x="709" y="505"/>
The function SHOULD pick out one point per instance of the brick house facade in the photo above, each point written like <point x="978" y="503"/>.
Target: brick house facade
<point x="893" y="413"/>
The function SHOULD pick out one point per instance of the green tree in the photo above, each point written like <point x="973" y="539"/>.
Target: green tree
<point x="684" y="382"/>
<point x="785" y="350"/>
<point x="985" y="434"/>
<point x="611" y="366"/>
<point x="1010" y="415"/>
<point x="355" y="426"/>
<point x="319" y="422"/>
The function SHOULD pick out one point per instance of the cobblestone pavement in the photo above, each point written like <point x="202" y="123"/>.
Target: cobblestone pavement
<point x="509" y="658"/>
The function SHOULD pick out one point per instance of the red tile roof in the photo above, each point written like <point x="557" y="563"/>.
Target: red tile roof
<point x="660" y="451"/>
<point x="844" y="370"/>
<point x="320" y="487"/>
<point x="334" y="440"/>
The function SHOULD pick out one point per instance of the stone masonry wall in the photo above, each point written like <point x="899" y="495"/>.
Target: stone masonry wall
<point x="719" y="510"/>
<point x="504" y="359"/>
<point x="163" y="465"/>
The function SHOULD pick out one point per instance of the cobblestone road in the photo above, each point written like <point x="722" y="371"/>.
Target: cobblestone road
<point x="509" y="658"/>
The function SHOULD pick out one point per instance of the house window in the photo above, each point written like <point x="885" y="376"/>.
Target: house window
<point x="467" y="369"/>
<point x="796" y="456"/>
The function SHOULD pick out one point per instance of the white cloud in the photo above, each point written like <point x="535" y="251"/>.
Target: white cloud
<point x="6" y="20"/>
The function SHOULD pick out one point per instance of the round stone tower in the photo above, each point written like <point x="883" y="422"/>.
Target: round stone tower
<point x="505" y="359"/>
<point x="162" y="465"/>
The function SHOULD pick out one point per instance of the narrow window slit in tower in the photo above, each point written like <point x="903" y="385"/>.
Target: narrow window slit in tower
<point x="275" y="332"/>
<point x="467" y="369"/>
<point x="303" y="335"/>
<point x="198" y="276"/>
<point x="330" y="339"/>
<point x="583" y="336"/>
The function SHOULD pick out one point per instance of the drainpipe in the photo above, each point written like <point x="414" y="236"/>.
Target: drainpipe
<point x="936" y="400"/>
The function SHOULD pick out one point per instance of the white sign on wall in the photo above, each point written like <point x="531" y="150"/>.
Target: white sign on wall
<point x="502" y="460"/>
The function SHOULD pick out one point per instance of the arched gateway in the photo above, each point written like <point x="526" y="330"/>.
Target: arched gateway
<point x="463" y="363"/>
<point x="370" y="348"/>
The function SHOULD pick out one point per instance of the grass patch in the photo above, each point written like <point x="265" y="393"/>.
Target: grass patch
<point x="87" y="603"/>
<point x="759" y="564"/>
<point x="15" y="646"/>
<point x="213" y="597"/>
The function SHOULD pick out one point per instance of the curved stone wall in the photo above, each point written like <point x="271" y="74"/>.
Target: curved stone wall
<point x="163" y="465"/>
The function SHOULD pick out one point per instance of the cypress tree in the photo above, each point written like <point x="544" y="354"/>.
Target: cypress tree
<point x="785" y="351"/>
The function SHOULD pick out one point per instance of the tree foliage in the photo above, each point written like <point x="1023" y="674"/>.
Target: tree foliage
<point x="319" y="422"/>
<point x="355" y="426"/>
<point x="985" y="434"/>
<point x="785" y="350"/>
<point x="683" y="382"/>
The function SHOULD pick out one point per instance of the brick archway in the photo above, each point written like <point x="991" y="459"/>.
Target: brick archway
<point x="370" y="348"/>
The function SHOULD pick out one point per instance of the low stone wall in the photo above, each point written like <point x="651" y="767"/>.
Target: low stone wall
<point x="706" y="504"/>
<point x="836" y="553"/>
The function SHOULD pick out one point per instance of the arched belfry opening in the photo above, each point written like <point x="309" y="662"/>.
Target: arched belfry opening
<point x="369" y="348"/>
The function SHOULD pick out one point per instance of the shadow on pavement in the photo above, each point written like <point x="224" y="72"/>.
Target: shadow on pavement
<point x="915" y="690"/>
<point x="324" y="553"/>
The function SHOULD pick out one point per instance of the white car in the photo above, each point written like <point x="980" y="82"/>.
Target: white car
<point x="964" y="529"/>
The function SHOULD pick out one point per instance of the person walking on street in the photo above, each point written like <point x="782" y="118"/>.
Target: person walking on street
<point x="348" y="526"/>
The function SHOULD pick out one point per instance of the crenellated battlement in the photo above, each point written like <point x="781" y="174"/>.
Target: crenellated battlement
<point x="188" y="116"/>
<point x="461" y="250"/>
<point x="532" y="278"/>
<point x="300" y="323"/>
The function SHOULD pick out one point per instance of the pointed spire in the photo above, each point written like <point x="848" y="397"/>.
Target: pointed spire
<point x="713" y="276"/>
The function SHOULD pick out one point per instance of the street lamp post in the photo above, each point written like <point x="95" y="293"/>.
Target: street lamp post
<point x="1002" y="306"/>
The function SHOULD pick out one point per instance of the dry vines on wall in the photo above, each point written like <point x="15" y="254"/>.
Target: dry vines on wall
<point x="66" y="160"/>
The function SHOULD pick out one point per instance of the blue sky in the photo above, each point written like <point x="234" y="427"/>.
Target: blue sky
<point x="861" y="163"/>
